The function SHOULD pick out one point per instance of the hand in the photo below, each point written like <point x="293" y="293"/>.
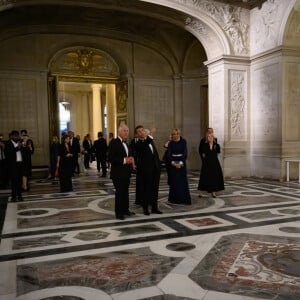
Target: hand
<point x="178" y="166"/>
<point x="129" y="160"/>
<point x="152" y="130"/>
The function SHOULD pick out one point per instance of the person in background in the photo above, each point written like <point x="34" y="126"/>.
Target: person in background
<point x="27" y="151"/>
<point x="179" y="192"/>
<point x="165" y="157"/>
<point x="110" y="137"/>
<point x="54" y="150"/>
<point x="75" y="150"/>
<point x="100" y="149"/>
<point x="122" y="163"/>
<point x="147" y="169"/>
<point x="3" y="166"/>
<point x="80" y="160"/>
<point x="14" y="160"/>
<point x="211" y="175"/>
<point x="138" y="185"/>
<point x="87" y="146"/>
<point x="65" y="165"/>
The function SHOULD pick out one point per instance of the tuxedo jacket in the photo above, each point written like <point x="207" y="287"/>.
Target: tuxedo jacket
<point x="100" y="147"/>
<point x="116" y="155"/>
<point x="75" y="147"/>
<point x="10" y="152"/>
<point x="146" y="160"/>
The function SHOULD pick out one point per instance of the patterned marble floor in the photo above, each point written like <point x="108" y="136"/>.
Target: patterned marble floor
<point x="244" y="244"/>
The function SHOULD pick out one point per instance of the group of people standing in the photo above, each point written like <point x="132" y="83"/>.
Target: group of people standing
<point x="16" y="163"/>
<point x="141" y="157"/>
<point x="70" y="157"/>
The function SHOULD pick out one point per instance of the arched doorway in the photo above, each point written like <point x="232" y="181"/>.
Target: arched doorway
<point x="86" y="94"/>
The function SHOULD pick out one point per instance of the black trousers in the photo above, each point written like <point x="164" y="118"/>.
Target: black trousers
<point x="121" y="195"/>
<point x="16" y="181"/>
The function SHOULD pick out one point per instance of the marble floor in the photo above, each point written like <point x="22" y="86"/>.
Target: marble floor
<point x="244" y="244"/>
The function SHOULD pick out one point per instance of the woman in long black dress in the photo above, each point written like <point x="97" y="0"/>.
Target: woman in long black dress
<point x="211" y="176"/>
<point x="27" y="151"/>
<point x="179" y="192"/>
<point x="65" y="163"/>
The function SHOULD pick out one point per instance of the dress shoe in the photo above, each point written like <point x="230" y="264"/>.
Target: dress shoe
<point x="13" y="199"/>
<point x="120" y="217"/>
<point x="146" y="213"/>
<point x="156" y="211"/>
<point x="129" y="213"/>
<point x="20" y="198"/>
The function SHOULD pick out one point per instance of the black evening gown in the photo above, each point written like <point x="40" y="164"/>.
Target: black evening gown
<point x="65" y="169"/>
<point x="211" y="175"/>
<point x="179" y="192"/>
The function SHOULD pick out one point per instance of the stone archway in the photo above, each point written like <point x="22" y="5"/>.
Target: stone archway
<point x="98" y="75"/>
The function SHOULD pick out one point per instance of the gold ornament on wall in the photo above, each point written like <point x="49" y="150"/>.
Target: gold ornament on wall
<point x="86" y="62"/>
<point x="122" y="96"/>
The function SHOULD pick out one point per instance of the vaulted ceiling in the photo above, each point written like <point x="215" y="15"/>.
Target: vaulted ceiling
<point x="129" y="20"/>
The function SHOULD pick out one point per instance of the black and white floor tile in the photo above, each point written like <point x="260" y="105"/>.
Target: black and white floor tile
<point x="242" y="245"/>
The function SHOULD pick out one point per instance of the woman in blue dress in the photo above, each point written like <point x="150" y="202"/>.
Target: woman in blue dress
<point x="179" y="192"/>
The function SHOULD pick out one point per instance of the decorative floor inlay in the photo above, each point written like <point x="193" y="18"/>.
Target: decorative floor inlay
<point x="111" y="272"/>
<point x="267" y="214"/>
<point x="204" y="222"/>
<point x="241" y="245"/>
<point x="180" y="247"/>
<point x="251" y="265"/>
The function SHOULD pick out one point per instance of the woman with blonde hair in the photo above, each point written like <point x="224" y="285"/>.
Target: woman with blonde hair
<point x="211" y="176"/>
<point x="179" y="192"/>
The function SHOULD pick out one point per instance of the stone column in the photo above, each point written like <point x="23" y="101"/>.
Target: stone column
<point x="96" y="111"/>
<point x="111" y="109"/>
<point x="229" y="113"/>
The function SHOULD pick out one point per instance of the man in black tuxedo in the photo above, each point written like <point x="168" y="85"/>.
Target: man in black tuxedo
<point x="75" y="150"/>
<point x="148" y="169"/>
<point x="100" y="149"/>
<point x="121" y="165"/>
<point x="14" y="161"/>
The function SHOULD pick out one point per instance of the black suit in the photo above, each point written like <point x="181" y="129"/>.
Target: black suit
<point x="75" y="150"/>
<point x="15" y="169"/>
<point x="148" y="170"/>
<point x="120" y="174"/>
<point x="100" y="149"/>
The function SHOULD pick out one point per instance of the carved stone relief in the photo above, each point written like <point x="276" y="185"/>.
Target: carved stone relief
<point x="237" y="105"/>
<point x="230" y="18"/>
<point x="266" y="24"/>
